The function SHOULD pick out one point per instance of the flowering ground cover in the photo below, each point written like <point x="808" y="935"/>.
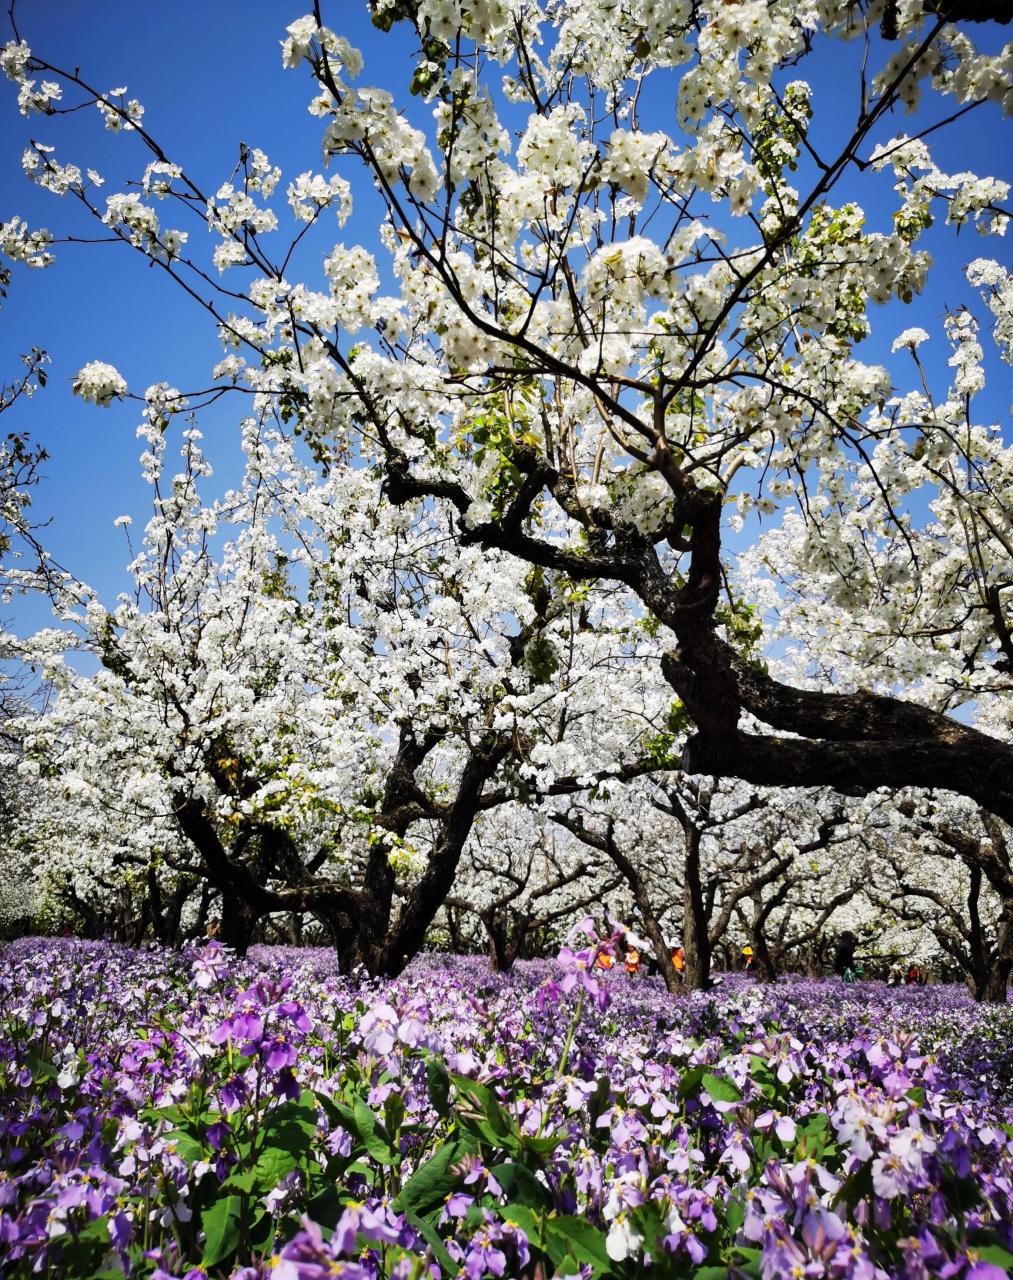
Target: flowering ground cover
<point x="188" y="1114"/>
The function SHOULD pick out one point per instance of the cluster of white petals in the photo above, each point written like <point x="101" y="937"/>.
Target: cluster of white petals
<point x="99" y="383"/>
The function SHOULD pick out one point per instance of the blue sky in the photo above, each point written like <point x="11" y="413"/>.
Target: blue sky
<point x="209" y="77"/>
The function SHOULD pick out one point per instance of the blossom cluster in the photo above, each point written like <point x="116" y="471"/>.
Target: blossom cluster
<point x="99" y="382"/>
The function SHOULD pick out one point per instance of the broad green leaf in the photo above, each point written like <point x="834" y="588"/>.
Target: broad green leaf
<point x="521" y="1185"/>
<point x="735" y="1215"/>
<point x="431" y="1237"/>
<point x="393" y="1115"/>
<point x="191" y="1149"/>
<point x="750" y="1260"/>
<point x="585" y="1242"/>
<point x="290" y="1127"/>
<point x="438" y="1081"/>
<point x="599" y="1100"/>
<point x="483" y="1100"/>
<point x="84" y="1251"/>
<point x="221" y="1227"/>
<point x="534" y="1227"/>
<point x="478" y="1110"/>
<point x="432" y="1182"/>
<point x="996" y="1255"/>
<point x="39" y="1067"/>
<point x="720" y="1088"/>
<point x="242" y="1180"/>
<point x="374" y="1136"/>
<point x="542" y="1146"/>
<point x="690" y="1081"/>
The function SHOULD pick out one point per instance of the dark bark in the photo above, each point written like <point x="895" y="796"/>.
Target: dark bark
<point x="854" y="742"/>
<point x="605" y="842"/>
<point x="427" y="896"/>
<point x="764" y="966"/>
<point x="851" y="742"/>
<point x="238" y="922"/>
<point x="507" y="931"/>
<point x="521" y="933"/>
<point x="995" y="990"/>
<point x="696" y="940"/>
<point x="990" y="964"/>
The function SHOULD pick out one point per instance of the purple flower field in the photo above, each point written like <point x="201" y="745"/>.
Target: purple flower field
<point x="188" y="1114"/>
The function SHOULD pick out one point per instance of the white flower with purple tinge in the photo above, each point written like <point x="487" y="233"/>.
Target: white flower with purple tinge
<point x="378" y="1029"/>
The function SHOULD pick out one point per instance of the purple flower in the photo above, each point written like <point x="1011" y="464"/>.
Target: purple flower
<point x="981" y="1270"/>
<point x="307" y="1257"/>
<point x="280" y="1053"/>
<point x="484" y="1256"/>
<point x="456" y="1206"/>
<point x="242" y="1026"/>
<point x="296" y="1014"/>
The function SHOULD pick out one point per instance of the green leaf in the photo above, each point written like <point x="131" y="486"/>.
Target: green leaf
<point x="288" y="1134"/>
<point x="438" y="1081"/>
<point x="84" y="1251"/>
<point x="814" y="1138"/>
<point x="339" y="1114"/>
<point x="174" y="1114"/>
<point x="374" y="1135"/>
<point x="856" y="1187"/>
<point x="431" y="1237"/>
<point x="221" y="1227"/>
<point x="243" y="1180"/>
<point x="585" y="1242"/>
<point x="39" y="1067"/>
<point x="393" y="1115"/>
<point x="533" y="1226"/>
<point x="720" y="1088"/>
<point x="520" y="1184"/>
<point x="191" y="1149"/>
<point x="690" y="1081"/>
<point x="750" y="1264"/>
<point x="542" y="1146"/>
<point x="432" y="1182"/>
<point x="761" y="1075"/>
<point x="997" y="1255"/>
<point x="478" y="1110"/>
<point x="485" y="1101"/>
<point x="326" y="1205"/>
<point x="599" y="1100"/>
